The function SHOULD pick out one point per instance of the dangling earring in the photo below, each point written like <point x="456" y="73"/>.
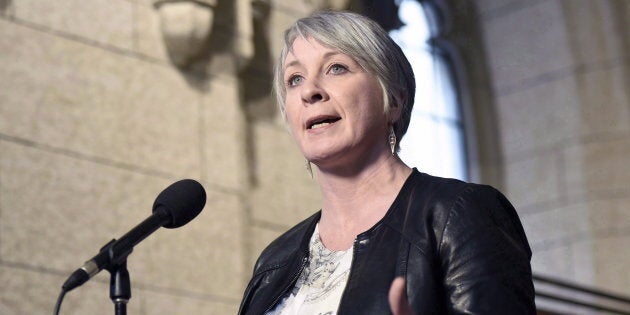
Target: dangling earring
<point x="392" y="140"/>
<point x="309" y="169"/>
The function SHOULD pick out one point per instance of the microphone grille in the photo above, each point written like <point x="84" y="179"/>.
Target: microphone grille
<point x="182" y="200"/>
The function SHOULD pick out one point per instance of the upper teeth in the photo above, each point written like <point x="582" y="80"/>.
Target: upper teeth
<point x="319" y="125"/>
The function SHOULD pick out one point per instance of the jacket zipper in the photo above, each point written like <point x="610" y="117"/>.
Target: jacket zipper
<point x="354" y="255"/>
<point x="291" y="284"/>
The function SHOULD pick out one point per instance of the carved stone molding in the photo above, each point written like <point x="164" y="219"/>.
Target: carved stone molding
<point x="335" y="5"/>
<point x="186" y="26"/>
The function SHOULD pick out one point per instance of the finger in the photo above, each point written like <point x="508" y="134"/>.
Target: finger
<point x="398" y="298"/>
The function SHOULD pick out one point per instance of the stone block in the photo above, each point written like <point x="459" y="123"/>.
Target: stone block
<point x="554" y="262"/>
<point x="279" y="21"/>
<point x="603" y="97"/>
<point x="596" y="29"/>
<point x="533" y="181"/>
<point x="540" y="117"/>
<point x="260" y="238"/>
<point x="149" y="39"/>
<point x="612" y="259"/>
<point x="297" y="7"/>
<point x="206" y="256"/>
<point x="610" y="215"/>
<point x="6" y="8"/>
<point x="66" y="209"/>
<point x="598" y="167"/>
<point x="107" y="22"/>
<point x="31" y="292"/>
<point x="550" y="228"/>
<point x="153" y="303"/>
<point x="485" y="7"/>
<point x="223" y="135"/>
<point x="284" y="192"/>
<point x="87" y="100"/>
<point x="583" y="258"/>
<point x="525" y="44"/>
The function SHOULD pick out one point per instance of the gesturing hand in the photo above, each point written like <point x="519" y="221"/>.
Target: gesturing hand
<point x="398" y="298"/>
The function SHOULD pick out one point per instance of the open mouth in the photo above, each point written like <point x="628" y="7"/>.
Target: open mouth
<point x="321" y="122"/>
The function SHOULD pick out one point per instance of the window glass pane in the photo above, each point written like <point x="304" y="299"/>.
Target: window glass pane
<point x="434" y="142"/>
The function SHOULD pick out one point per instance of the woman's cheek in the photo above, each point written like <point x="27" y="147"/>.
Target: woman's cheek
<point x="293" y="121"/>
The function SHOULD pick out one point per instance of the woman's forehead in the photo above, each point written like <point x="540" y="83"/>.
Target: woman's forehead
<point x="304" y="48"/>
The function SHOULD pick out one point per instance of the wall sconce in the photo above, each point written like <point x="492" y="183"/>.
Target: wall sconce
<point x="185" y="25"/>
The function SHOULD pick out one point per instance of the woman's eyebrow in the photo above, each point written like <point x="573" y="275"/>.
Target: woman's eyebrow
<point x="326" y="56"/>
<point x="291" y="64"/>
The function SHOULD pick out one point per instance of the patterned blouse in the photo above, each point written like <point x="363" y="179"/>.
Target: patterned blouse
<point x="319" y="288"/>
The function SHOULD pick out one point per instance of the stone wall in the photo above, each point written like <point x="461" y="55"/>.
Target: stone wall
<point x="561" y="78"/>
<point x="95" y="121"/>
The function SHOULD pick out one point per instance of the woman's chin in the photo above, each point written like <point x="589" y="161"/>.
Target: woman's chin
<point x="324" y="155"/>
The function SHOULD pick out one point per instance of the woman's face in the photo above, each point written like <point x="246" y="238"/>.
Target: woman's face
<point x="333" y="106"/>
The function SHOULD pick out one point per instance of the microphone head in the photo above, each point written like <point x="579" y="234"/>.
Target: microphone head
<point x="182" y="201"/>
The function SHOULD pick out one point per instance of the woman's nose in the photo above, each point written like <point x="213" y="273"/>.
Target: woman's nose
<point x="312" y="93"/>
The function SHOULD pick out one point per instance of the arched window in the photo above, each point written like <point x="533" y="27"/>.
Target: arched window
<point x="434" y="142"/>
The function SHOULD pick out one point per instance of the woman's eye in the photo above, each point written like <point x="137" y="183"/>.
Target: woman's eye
<point x="294" y="80"/>
<point x="338" y="69"/>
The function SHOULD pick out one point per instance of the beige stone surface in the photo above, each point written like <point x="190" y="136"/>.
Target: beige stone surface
<point x="612" y="259"/>
<point x="537" y="118"/>
<point x="526" y="43"/>
<point x="63" y="208"/>
<point x="610" y="215"/>
<point x="582" y="256"/>
<point x="31" y="292"/>
<point x="150" y="41"/>
<point x="6" y="8"/>
<point x="262" y="238"/>
<point x="279" y="21"/>
<point x="599" y="167"/>
<point x="604" y="100"/>
<point x="487" y="6"/>
<point x="107" y="22"/>
<point x="223" y="135"/>
<point x="596" y="29"/>
<point x="166" y="304"/>
<point x="297" y="7"/>
<point x="550" y="228"/>
<point x="72" y="96"/>
<point x="533" y="181"/>
<point x="553" y="262"/>
<point x="284" y="194"/>
<point x="149" y="38"/>
<point x="205" y="256"/>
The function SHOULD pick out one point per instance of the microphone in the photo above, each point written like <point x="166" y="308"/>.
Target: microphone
<point x="175" y="206"/>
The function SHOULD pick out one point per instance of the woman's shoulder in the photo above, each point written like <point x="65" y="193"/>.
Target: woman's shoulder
<point x="450" y="191"/>
<point x="463" y="207"/>
<point x="282" y="249"/>
<point x="446" y="201"/>
<point x="438" y="191"/>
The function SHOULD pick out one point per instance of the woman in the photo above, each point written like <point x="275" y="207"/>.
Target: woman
<point x="346" y="91"/>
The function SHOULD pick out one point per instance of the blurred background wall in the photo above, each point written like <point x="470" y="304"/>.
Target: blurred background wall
<point x="104" y="103"/>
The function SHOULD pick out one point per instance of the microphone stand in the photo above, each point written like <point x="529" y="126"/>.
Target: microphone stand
<point x="119" y="282"/>
<point x="120" y="287"/>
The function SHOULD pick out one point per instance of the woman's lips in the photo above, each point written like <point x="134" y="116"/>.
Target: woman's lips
<point x="320" y="122"/>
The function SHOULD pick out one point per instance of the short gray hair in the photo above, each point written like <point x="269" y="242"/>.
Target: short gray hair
<point x="369" y="45"/>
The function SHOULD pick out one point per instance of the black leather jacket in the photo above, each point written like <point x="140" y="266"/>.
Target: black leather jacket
<point x="460" y="246"/>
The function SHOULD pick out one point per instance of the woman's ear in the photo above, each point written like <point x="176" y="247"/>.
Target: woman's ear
<point x="394" y="113"/>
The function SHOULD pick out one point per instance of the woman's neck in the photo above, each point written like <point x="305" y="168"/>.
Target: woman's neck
<point x="355" y="200"/>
